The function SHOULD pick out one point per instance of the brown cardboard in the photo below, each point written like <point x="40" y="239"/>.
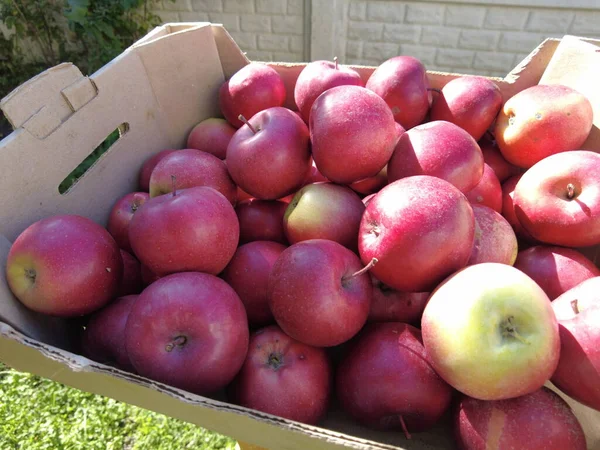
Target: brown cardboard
<point x="154" y="93"/>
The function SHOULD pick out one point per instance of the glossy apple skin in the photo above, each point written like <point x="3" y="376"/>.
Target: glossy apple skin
<point x="44" y="266"/>
<point x="195" y="230"/>
<point x="309" y="298"/>
<point x="390" y="305"/>
<point x="274" y="161"/>
<point x="471" y="102"/>
<point x="542" y="205"/>
<point x="121" y="214"/>
<point x="440" y="149"/>
<point x="131" y="282"/>
<point x="316" y="78"/>
<point x="508" y="208"/>
<point x="540" y="121"/>
<point x="344" y="121"/>
<point x="468" y="328"/>
<point x="148" y="167"/>
<point x="324" y="211"/>
<point x="253" y="88"/>
<point x="284" y="377"/>
<point x="248" y="274"/>
<point x="495" y="240"/>
<point x="488" y="191"/>
<point x="493" y="158"/>
<point x="103" y="339"/>
<point x="386" y="376"/>
<point x="212" y="135"/>
<point x="372" y="184"/>
<point x="403" y="84"/>
<point x="188" y="330"/>
<point x="420" y="229"/>
<point x="261" y="220"/>
<point x="541" y="420"/>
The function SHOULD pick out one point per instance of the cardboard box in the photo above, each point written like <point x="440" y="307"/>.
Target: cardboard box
<point x="154" y="93"/>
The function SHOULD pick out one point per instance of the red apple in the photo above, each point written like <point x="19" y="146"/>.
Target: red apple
<point x="372" y="184"/>
<point x="148" y="277"/>
<point x="212" y="136"/>
<point x="495" y="240"/>
<point x="391" y="305"/>
<point x="493" y="158"/>
<point x="284" y="377"/>
<point x="148" y="167"/>
<point x="121" y="214"/>
<point x="508" y="207"/>
<point x="132" y="282"/>
<point x="488" y="191"/>
<point x="314" y="176"/>
<point x="261" y="220"/>
<point x="64" y="265"/>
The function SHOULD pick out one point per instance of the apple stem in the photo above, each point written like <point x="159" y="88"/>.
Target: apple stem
<point x="243" y="119"/>
<point x="404" y="428"/>
<point x="570" y="191"/>
<point x="173" y="179"/>
<point x="361" y="271"/>
<point x="179" y="341"/>
<point x="575" y="306"/>
<point x="335" y="60"/>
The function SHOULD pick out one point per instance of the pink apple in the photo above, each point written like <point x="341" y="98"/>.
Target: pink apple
<point x="488" y="191"/>
<point x="493" y="158"/>
<point x="121" y="214"/>
<point x="391" y="305"/>
<point x="508" y="207"/>
<point x="148" y="167"/>
<point x="212" y="135"/>
<point x="495" y="240"/>
<point x="131" y="282"/>
<point x="261" y="220"/>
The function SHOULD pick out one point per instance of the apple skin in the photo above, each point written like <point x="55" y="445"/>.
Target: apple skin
<point x="284" y="377"/>
<point x="491" y="333"/>
<point x="188" y="330"/>
<point x="212" y="135"/>
<point x="488" y="191"/>
<point x="316" y="78"/>
<point x="495" y="240"/>
<point x="248" y="274"/>
<point x="309" y="297"/>
<point x="253" y="88"/>
<point x="440" y="149"/>
<point x="314" y="176"/>
<point x="44" y="266"/>
<point x="344" y="121"/>
<point x="121" y="214"/>
<point x="131" y="282"/>
<point x="390" y="305"/>
<point x="194" y="230"/>
<point x="421" y="229"/>
<point x="324" y="211"/>
<point x="148" y="167"/>
<point x="508" y="208"/>
<point x="403" y="84"/>
<point x="543" y="206"/>
<point x="368" y="198"/>
<point x="192" y="168"/>
<point x="540" y="121"/>
<point x="493" y="158"/>
<point x="372" y="184"/>
<point x="103" y="339"/>
<point x="541" y="420"/>
<point x="273" y="160"/>
<point x="385" y="378"/>
<point x="469" y="101"/>
<point x="261" y="220"/>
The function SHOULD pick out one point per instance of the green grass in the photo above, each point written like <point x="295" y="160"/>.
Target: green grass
<point x="37" y="414"/>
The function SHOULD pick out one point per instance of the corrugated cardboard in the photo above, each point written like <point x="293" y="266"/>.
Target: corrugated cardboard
<point x="154" y="93"/>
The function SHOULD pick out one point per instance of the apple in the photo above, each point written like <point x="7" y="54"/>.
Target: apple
<point x="385" y="381"/>
<point x="253" y="88"/>
<point x="490" y="332"/>
<point x="131" y="282"/>
<point x="557" y="199"/>
<point x="314" y="176"/>
<point x="318" y="76"/>
<point x="64" y="265"/>
<point x="540" y="121"/>
<point x="194" y="229"/>
<point x="352" y="133"/>
<point x="420" y="229"/>
<point x="324" y="211"/>
<point x="540" y="420"/>
<point x="367" y="199"/>
<point x="284" y="377"/>
<point x="508" y="207"/>
<point x="269" y="157"/>
<point x="403" y="84"/>
<point x="440" y="149"/>
<point x="148" y="277"/>
<point x="488" y="191"/>
<point x="103" y="339"/>
<point x="148" y="167"/>
<point x="319" y="293"/>
<point x="261" y="220"/>
<point x="372" y="184"/>
<point x="495" y="240"/>
<point x="391" y="305"/>
<point x="121" y="214"/>
<point x="211" y="135"/>
<point x="188" y="330"/>
<point x="493" y="158"/>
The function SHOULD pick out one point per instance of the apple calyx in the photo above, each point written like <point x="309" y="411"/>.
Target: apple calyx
<point x="509" y="329"/>
<point x="275" y="360"/>
<point x="570" y="191"/>
<point x="179" y="341"/>
<point x="575" y="306"/>
<point x="361" y="271"/>
<point x="243" y="119"/>
<point x="30" y="274"/>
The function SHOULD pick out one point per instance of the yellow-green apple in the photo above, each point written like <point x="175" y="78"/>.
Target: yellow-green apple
<point x="148" y="166"/>
<point x="488" y="191"/>
<point x="121" y="214"/>
<point x="131" y="282"/>
<point x="253" y="88"/>
<point x="211" y="135"/>
<point x="385" y="381"/>
<point x="269" y="157"/>
<point x="344" y="122"/>
<point x="319" y="293"/>
<point x="189" y="168"/>
<point x="248" y="274"/>
<point x="493" y="158"/>
<point x="420" y="229"/>
<point x="508" y="208"/>
<point x="469" y="101"/>
<point x="402" y="82"/>
<point x="540" y="121"/>
<point x="194" y="229"/>
<point x="495" y="240"/>
<point x="188" y="330"/>
<point x="372" y="184"/>
<point x="318" y="76"/>
<point x="540" y="420"/>
<point x="64" y="265"/>
<point x="391" y="305"/>
<point x="489" y="331"/>
<point x="324" y="211"/>
<point x="284" y="377"/>
<point x="555" y="269"/>
<point x="558" y="199"/>
<point x="440" y="149"/>
<point x="261" y="220"/>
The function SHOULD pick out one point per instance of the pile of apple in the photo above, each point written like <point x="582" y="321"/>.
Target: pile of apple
<point x="406" y="252"/>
